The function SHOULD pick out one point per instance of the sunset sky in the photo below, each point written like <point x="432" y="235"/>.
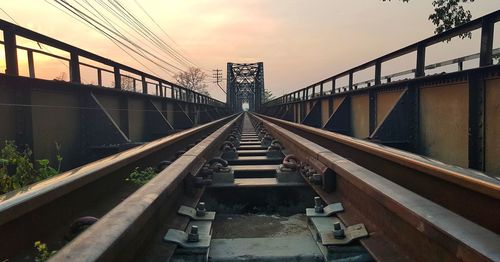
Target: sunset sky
<point x="300" y="42"/>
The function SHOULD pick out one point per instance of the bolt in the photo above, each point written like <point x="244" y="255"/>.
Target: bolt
<point x="318" y="206"/>
<point x="200" y="209"/>
<point x="303" y="169"/>
<point x="338" y="232"/>
<point x="193" y="234"/>
<point x="317" y="178"/>
<point x="198" y="180"/>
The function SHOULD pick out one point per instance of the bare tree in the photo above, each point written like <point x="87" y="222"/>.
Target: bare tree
<point x="127" y="83"/>
<point x="268" y="95"/>
<point x="193" y="79"/>
<point x="61" y="77"/>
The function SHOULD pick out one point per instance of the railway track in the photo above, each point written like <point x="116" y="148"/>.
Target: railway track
<point x="260" y="189"/>
<point x="45" y="211"/>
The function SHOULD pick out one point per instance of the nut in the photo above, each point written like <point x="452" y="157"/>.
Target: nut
<point x="200" y="209"/>
<point x="193" y="234"/>
<point x="317" y="178"/>
<point x="338" y="232"/>
<point x="318" y="206"/>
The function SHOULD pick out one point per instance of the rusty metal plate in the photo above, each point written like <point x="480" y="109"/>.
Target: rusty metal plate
<point x="191" y="212"/>
<point x="180" y="238"/>
<point x="327" y="211"/>
<point x="351" y="233"/>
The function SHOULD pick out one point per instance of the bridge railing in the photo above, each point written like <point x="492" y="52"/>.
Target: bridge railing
<point x="485" y="23"/>
<point x="119" y="71"/>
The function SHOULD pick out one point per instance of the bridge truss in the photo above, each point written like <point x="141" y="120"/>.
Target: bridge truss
<point x="245" y="84"/>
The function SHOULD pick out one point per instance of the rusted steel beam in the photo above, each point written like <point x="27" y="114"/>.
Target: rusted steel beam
<point x="403" y="225"/>
<point x="466" y="192"/>
<point x="477" y="120"/>
<point x="51" y="104"/>
<point x="313" y="117"/>
<point x="114" y="236"/>
<point x="340" y="120"/>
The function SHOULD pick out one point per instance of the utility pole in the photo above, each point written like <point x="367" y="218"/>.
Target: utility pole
<point x="217" y="76"/>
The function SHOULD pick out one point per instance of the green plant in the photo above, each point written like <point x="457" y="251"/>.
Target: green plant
<point x="141" y="177"/>
<point x="17" y="169"/>
<point x="43" y="252"/>
<point x="44" y="168"/>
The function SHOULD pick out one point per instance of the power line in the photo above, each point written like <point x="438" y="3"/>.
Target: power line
<point x="128" y="19"/>
<point x="217" y="75"/>
<point x="9" y="16"/>
<point x="107" y="31"/>
<point x="105" y="20"/>
<point x="98" y="19"/>
<point x="151" y="35"/>
<point x="166" y="34"/>
<point x="111" y="39"/>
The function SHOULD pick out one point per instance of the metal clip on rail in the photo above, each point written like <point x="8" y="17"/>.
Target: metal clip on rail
<point x="335" y="240"/>
<point x="220" y="171"/>
<point x="289" y="170"/>
<point x="193" y="244"/>
<point x="198" y="213"/>
<point x="229" y="150"/>
<point x="342" y="235"/>
<point x="320" y="211"/>
<point x="274" y="150"/>
<point x="266" y="140"/>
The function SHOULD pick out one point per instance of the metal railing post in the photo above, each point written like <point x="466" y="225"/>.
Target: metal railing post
<point x="420" y="66"/>
<point x="144" y="85"/>
<point x="10" y="46"/>
<point x="378" y="72"/>
<point x="31" y="64"/>
<point x="486" y="50"/>
<point x="118" y="77"/>
<point x="74" y="68"/>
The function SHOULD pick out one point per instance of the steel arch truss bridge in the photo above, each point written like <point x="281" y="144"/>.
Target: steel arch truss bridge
<point x="245" y="84"/>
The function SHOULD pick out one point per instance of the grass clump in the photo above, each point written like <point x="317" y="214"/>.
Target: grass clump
<point x="43" y="252"/>
<point x="141" y="177"/>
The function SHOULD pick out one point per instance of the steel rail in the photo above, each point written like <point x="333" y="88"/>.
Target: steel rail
<point x="121" y="232"/>
<point x="28" y="214"/>
<point x="403" y="225"/>
<point x="469" y="193"/>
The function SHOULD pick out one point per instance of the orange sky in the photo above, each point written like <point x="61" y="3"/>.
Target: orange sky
<point x="300" y="42"/>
